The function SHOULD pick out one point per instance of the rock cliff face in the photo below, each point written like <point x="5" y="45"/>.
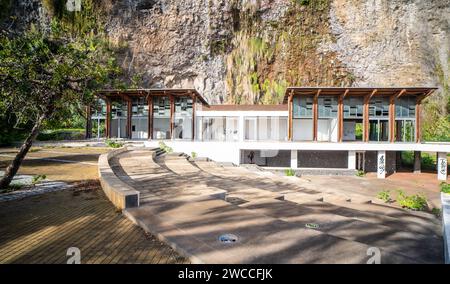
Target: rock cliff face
<point x="249" y="51"/>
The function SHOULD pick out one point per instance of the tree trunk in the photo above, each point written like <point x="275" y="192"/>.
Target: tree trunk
<point x="12" y="169"/>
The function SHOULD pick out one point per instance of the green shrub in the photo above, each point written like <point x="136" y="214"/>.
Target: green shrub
<point x="61" y="134"/>
<point x="384" y="195"/>
<point x="38" y="178"/>
<point x="445" y="187"/>
<point x="165" y="148"/>
<point x="113" y="144"/>
<point x="414" y="202"/>
<point x="360" y="173"/>
<point x="428" y="161"/>
<point x="290" y="172"/>
<point x="194" y="155"/>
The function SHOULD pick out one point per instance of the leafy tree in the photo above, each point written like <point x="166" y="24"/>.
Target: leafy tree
<point x="42" y="74"/>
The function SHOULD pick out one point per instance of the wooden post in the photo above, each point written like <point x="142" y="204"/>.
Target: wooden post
<point x="418" y="126"/>
<point x="290" y="115"/>
<point x="194" y="101"/>
<point x="108" y="118"/>
<point x="150" y="117"/>
<point x="172" y="113"/>
<point x="129" y="118"/>
<point x="315" y="114"/>
<point x="392" y="119"/>
<point x="340" y="118"/>
<point x="88" y="133"/>
<point x="366" y="119"/>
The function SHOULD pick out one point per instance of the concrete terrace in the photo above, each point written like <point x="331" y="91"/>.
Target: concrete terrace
<point x="190" y="203"/>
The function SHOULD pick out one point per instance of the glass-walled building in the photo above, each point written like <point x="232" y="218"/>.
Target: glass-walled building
<point x="330" y="115"/>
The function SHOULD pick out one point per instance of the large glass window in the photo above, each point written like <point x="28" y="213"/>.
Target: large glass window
<point x="161" y="117"/>
<point x="379" y="119"/>
<point x="183" y="118"/>
<point x="119" y="110"/>
<point x="139" y="119"/>
<point x="405" y="119"/>
<point x="302" y="120"/>
<point x="218" y="128"/>
<point x="139" y="107"/>
<point x="99" y="118"/>
<point x="265" y="128"/>
<point x="327" y="119"/>
<point x="353" y="118"/>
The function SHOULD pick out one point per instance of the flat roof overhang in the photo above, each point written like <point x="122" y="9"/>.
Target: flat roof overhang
<point x="359" y="91"/>
<point x="118" y="93"/>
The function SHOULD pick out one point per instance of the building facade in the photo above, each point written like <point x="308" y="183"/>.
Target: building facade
<point x="342" y="129"/>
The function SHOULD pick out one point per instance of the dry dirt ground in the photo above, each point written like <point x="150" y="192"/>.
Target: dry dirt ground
<point x="42" y="228"/>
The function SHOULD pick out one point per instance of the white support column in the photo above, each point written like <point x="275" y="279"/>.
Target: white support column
<point x="351" y="160"/>
<point x="294" y="159"/>
<point x="381" y="164"/>
<point x="241" y="128"/>
<point x="442" y="166"/>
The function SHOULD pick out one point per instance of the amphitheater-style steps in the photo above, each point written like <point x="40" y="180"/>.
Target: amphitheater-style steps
<point x="192" y="201"/>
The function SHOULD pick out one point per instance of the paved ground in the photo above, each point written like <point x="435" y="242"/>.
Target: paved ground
<point x="40" y="229"/>
<point x="271" y="215"/>
<point x="57" y="163"/>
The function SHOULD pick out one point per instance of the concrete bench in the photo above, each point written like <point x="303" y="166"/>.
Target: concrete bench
<point x="119" y="193"/>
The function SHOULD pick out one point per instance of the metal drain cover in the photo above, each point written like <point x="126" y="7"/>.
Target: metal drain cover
<point x="312" y="225"/>
<point x="228" y="239"/>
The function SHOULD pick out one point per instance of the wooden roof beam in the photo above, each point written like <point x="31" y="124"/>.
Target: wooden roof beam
<point x="401" y="93"/>
<point x="423" y="96"/>
<point x="372" y="93"/>
<point x="318" y="92"/>
<point x="345" y="93"/>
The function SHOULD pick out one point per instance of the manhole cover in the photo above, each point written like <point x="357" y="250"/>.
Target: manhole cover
<point x="312" y="225"/>
<point x="228" y="239"/>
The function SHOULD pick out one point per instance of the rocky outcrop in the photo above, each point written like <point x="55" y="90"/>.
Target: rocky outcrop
<point x="249" y="51"/>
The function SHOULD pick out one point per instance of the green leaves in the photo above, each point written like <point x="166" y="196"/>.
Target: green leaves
<point x="51" y="71"/>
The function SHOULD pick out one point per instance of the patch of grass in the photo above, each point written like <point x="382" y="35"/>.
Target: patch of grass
<point x="113" y="143"/>
<point x="360" y="173"/>
<point x="165" y="148"/>
<point x="290" y="172"/>
<point x="193" y="155"/>
<point x="38" y="178"/>
<point x="416" y="202"/>
<point x="12" y="187"/>
<point x="436" y="212"/>
<point x="33" y="150"/>
<point x="384" y="195"/>
<point x="445" y="187"/>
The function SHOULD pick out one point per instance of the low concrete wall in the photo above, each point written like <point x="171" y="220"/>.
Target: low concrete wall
<point x="445" y="200"/>
<point x="118" y="192"/>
